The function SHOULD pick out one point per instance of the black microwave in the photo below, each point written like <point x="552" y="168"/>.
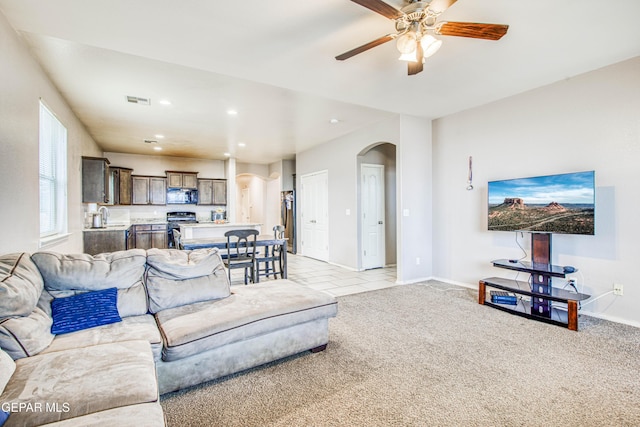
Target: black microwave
<point x="182" y="196"/>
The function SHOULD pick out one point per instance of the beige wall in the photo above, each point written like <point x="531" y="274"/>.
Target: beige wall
<point x="157" y="165"/>
<point x="587" y="122"/>
<point x="22" y="85"/>
<point x="412" y="138"/>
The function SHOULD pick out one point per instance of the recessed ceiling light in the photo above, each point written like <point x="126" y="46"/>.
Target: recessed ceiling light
<point x="165" y="102"/>
<point x="227" y="154"/>
<point x="232" y="112"/>
<point x="334" y="121"/>
<point x="241" y="144"/>
<point x="157" y="148"/>
<point x="159" y="136"/>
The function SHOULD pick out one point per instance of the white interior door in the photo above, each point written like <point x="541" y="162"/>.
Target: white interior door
<point x="314" y="215"/>
<point x="372" y="220"/>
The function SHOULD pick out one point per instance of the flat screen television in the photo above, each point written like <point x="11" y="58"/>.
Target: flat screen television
<point x="563" y="203"/>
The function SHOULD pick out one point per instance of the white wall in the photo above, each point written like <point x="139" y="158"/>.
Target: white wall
<point x="158" y="165"/>
<point x="415" y="182"/>
<point x="22" y="84"/>
<point x="588" y="122"/>
<point x="412" y="137"/>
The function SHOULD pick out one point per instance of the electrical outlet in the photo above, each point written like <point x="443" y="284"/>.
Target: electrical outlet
<point x="418" y="261"/>
<point x="617" y="289"/>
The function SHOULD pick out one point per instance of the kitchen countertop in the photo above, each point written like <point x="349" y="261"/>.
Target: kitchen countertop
<point x="110" y="227"/>
<point x="137" y="221"/>
<point x="203" y="224"/>
<point x="124" y="226"/>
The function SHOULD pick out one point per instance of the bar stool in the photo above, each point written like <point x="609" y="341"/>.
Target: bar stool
<point x="272" y="254"/>
<point x="243" y="253"/>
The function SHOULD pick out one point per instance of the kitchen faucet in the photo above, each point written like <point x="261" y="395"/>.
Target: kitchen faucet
<point x="105" y="213"/>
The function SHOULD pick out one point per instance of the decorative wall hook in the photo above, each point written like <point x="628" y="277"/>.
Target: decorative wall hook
<point x="470" y="176"/>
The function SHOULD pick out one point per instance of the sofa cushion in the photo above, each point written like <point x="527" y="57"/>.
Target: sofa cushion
<point x="81" y="381"/>
<point x="131" y="328"/>
<point x="249" y="311"/>
<point x="84" y="311"/>
<point x="177" y="264"/>
<point x="27" y="335"/>
<point x="65" y="275"/>
<point x="20" y="285"/>
<point x="175" y="278"/>
<point x="7" y="367"/>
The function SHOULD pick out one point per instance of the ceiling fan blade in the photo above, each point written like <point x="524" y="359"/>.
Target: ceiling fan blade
<point x="365" y="47"/>
<point x="380" y="7"/>
<point x="418" y="66"/>
<point x="472" y="29"/>
<point x="415" y="68"/>
<point x="439" y="6"/>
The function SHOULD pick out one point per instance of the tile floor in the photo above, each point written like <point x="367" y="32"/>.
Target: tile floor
<point x="329" y="278"/>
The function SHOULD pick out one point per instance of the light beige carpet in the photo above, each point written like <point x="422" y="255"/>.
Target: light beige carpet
<point x="419" y="355"/>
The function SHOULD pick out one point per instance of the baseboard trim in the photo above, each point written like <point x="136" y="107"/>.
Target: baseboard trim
<point x="413" y="281"/>
<point x="455" y="282"/>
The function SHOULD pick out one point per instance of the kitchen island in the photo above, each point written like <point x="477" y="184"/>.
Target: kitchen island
<point x="202" y="230"/>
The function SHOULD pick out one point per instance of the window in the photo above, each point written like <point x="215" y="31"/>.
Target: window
<point x="53" y="176"/>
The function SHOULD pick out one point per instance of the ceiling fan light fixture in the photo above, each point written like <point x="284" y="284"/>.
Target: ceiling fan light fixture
<point x="407" y="42"/>
<point x="409" y="57"/>
<point x="430" y="45"/>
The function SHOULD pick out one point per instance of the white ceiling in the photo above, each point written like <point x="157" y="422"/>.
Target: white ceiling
<point x="273" y="62"/>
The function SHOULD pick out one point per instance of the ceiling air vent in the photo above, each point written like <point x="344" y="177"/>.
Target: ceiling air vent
<point x="138" y="100"/>
<point x="150" y="141"/>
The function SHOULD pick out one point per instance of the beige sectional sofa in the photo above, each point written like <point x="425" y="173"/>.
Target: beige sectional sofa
<point x="94" y="340"/>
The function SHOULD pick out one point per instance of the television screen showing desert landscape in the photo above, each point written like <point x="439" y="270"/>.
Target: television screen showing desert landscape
<point x="549" y="204"/>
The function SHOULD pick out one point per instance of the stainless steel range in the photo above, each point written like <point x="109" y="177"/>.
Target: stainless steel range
<point x="174" y="219"/>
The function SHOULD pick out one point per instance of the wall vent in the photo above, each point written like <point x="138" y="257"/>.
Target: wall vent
<point x="138" y="100"/>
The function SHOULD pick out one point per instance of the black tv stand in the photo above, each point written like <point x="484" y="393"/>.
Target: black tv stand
<point x="545" y="303"/>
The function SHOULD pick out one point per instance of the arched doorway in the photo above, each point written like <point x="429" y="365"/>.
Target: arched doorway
<point x="258" y="200"/>
<point x="377" y="222"/>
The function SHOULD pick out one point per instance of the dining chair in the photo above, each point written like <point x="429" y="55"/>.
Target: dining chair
<point x="241" y="252"/>
<point x="272" y="255"/>
<point x="177" y="242"/>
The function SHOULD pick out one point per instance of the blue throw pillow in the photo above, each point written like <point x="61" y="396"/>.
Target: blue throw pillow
<point x="84" y="311"/>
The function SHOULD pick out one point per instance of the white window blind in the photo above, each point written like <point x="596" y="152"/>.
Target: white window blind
<point x="53" y="174"/>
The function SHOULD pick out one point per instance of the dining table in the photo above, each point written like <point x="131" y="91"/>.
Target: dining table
<point x="262" y="240"/>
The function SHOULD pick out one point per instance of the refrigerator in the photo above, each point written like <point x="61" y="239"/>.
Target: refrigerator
<point x="288" y="218"/>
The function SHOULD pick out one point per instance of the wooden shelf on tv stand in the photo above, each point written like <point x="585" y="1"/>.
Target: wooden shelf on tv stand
<point x="568" y="319"/>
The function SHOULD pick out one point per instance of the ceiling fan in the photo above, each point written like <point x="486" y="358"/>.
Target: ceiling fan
<point x="416" y="23"/>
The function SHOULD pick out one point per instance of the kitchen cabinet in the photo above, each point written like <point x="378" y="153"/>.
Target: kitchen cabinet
<point x="95" y="180"/>
<point x="149" y="236"/>
<point x="177" y="179"/>
<point x="148" y="190"/>
<point x="105" y="240"/>
<point x="212" y="191"/>
<point x="120" y="186"/>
